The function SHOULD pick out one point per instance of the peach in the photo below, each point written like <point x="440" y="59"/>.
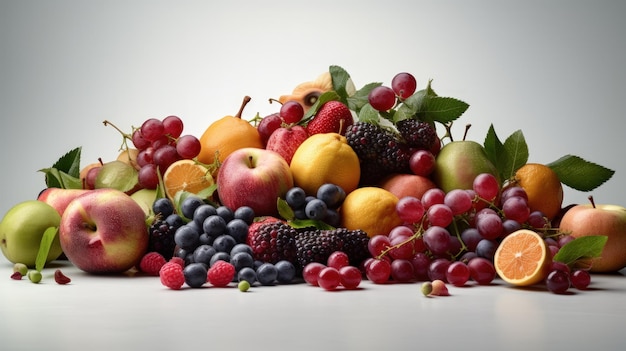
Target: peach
<point x="403" y="185"/>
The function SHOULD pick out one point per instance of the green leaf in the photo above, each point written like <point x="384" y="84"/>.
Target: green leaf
<point x="284" y="210"/>
<point x="70" y="162"/>
<point x="359" y="99"/>
<point x="583" y="247"/>
<point x="59" y="179"/>
<point x="369" y="114"/>
<point x="308" y="223"/>
<point x="494" y="149"/>
<point x="65" y="172"/>
<point x="580" y="174"/>
<point x="516" y="152"/>
<point x="44" y="247"/>
<point x="441" y="109"/>
<point x="340" y="80"/>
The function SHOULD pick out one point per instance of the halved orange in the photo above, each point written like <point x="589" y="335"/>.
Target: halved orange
<point x="522" y="258"/>
<point x="186" y="175"/>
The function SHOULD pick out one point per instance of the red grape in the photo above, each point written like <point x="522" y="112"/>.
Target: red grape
<point x="291" y="112"/>
<point x="152" y="129"/>
<point x="338" y="259"/>
<point x="378" y="271"/>
<point x="382" y="98"/>
<point x="422" y="163"/>
<point x="188" y="146"/>
<point x="172" y="126"/>
<point x="404" y="84"/>
<point x="410" y="209"/>
<point x="402" y="270"/>
<point x="311" y="271"/>
<point x="329" y="278"/>
<point x="350" y="277"/>
<point x="458" y="273"/>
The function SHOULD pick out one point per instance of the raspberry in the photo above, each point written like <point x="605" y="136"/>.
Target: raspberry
<point x="172" y="276"/>
<point x="178" y="260"/>
<point x="221" y="273"/>
<point x="151" y="263"/>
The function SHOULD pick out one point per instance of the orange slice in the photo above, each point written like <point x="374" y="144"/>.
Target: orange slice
<point x="522" y="258"/>
<point x="186" y="175"/>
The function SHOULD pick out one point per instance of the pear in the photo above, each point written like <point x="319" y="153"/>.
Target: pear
<point x="459" y="162"/>
<point x="145" y="198"/>
<point x="118" y="175"/>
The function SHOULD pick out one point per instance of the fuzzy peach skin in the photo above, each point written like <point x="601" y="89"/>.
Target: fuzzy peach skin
<point x="103" y="231"/>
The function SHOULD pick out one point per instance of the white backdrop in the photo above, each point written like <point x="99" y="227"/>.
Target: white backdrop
<point x="554" y="69"/>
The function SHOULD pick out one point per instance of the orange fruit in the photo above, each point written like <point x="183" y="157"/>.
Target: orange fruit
<point x="226" y="135"/>
<point x="186" y="175"/>
<point x="325" y="158"/>
<point x="543" y="187"/>
<point x="370" y="209"/>
<point x="522" y="258"/>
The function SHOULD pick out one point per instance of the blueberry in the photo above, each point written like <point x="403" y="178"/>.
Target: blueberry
<point x="295" y="197"/>
<point x="174" y="220"/>
<point x="266" y="274"/>
<point x="286" y="271"/>
<point x="333" y="195"/>
<point x="241" y="248"/>
<point x="205" y="239"/>
<point x="187" y="237"/>
<point x="224" y="243"/>
<point x="195" y="226"/>
<point x="189" y="205"/>
<point x="246" y="213"/>
<point x="486" y="248"/>
<point x="225" y="213"/>
<point x="316" y="209"/>
<point x="238" y="229"/>
<point x="214" y="226"/>
<point x="164" y="206"/>
<point x="195" y="274"/>
<point x="332" y="218"/>
<point x="202" y="212"/>
<point x="241" y="260"/>
<point x="203" y="254"/>
<point x="248" y="274"/>
<point x="219" y="256"/>
<point x="300" y="213"/>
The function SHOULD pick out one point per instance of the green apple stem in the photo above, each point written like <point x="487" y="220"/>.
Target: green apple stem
<point x="593" y="203"/>
<point x="246" y="100"/>
<point x="467" y="127"/>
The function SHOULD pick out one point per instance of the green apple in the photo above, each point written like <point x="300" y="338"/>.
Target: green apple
<point x="459" y="162"/>
<point x="22" y="228"/>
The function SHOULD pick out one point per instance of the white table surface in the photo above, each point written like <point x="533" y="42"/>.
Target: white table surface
<point x="129" y="312"/>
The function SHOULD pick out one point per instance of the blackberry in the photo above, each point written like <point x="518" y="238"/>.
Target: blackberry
<point x="381" y="151"/>
<point x="162" y="238"/>
<point x="317" y="245"/>
<point x="274" y="241"/>
<point x="417" y="134"/>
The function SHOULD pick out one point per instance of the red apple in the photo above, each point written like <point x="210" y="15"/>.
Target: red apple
<point x="285" y="141"/>
<point x="254" y="177"/>
<point x="103" y="231"/>
<point x="59" y="198"/>
<point x="602" y="219"/>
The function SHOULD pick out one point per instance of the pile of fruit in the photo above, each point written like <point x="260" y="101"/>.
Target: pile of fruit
<point x="339" y="185"/>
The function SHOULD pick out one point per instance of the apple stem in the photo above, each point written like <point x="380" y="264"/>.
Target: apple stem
<point x="250" y="159"/>
<point x="246" y="100"/>
<point x="467" y="127"/>
<point x="100" y="160"/>
<point x="593" y="203"/>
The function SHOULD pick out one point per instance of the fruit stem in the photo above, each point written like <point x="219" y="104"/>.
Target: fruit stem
<point x="274" y="100"/>
<point x="246" y="100"/>
<point x="467" y="127"/>
<point x="100" y="160"/>
<point x="108" y="123"/>
<point x="593" y="203"/>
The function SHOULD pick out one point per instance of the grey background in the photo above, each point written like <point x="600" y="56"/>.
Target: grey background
<point x="553" y="69"/>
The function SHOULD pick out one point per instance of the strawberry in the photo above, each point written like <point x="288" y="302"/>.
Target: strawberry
<point x="332" y="117"/>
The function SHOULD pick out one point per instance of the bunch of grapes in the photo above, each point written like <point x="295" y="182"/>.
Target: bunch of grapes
<point x="160" y="144"/>
<point x="453" y="236"/>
